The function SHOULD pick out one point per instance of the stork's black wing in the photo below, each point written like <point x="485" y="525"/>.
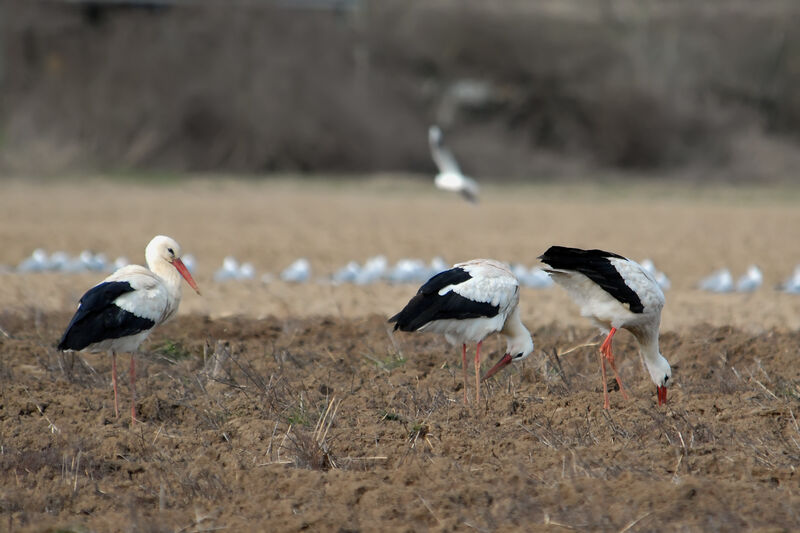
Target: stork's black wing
<point x="98" y="318"/>
<point x="428" y="305"/>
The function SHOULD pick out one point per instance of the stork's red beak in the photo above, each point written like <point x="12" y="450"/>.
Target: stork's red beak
<point x="504" y="361"/>
<point x="661" y="392"/>
<point x="185" y="273"/>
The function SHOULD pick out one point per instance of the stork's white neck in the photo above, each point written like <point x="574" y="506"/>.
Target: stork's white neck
<point x="514" y="326"/>
<point x="168" y="274"/>
<point x="518" y="337"/>
<point x="657" y="365"/>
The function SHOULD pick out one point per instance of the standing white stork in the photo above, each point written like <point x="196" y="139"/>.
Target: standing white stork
<point x="614" y="292"/>
<point x="120" y="312"/>
<point x="468" y="303"/>
<point x="450" y="177"/>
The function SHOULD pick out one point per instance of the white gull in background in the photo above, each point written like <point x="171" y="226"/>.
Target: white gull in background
<point x="94" y="262"/>
<point x="450" y="177"/>
<point x="437" y="264"/>
<point x="231" y="270"/>
<point x="298" y="272"/>
<point x="347" y="274"/>
<point x="37" y="262"/>
<point x="373" y="270"/>
<point x="751" y="280"/>
<point x="188" y="261"/>
<point x="122" y="261"/>
<point x="59" y="261"/>
<point x="718" y="281"/>
<point x="408" y="271"/>
<point x="377" y="269"/>
<point x="535" y="277"/>
<point x="247" y="271"/>
<point x="792" y="283"/>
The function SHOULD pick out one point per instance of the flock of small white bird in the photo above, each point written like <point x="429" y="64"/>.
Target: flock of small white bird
<point x="722" y="281"/>
<point x="86" y="261"/>
<point x="375" y="270"/>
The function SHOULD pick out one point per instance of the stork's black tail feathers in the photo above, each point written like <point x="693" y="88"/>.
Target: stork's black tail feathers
<point x="565" y="258"/>
<point x="597" y="266"/>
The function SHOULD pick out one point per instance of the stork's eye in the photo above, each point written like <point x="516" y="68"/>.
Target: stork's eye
<point x="171" y="251"/>
<point x="518" y="355"/>
<point x="666" y="378"/>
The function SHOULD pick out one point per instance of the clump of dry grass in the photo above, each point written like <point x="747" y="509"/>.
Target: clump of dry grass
<point x="312" y="450"/>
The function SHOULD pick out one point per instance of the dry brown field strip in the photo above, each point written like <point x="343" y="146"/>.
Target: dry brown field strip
<point x="294" y="406"/>
<point x="328" y="423"/>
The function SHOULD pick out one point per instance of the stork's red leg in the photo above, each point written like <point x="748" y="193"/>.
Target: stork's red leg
<point x="114" y="381"/>
<point x="606" y="346"/>
<point x="478" y="373"/>
<point x="464" y="369"/>
<point x="606" y="401"/>
<point x="605" y="349"/>
<point x="133" y="389"/>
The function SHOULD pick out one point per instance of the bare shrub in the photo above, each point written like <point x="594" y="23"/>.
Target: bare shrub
<point x="259" y="88"/>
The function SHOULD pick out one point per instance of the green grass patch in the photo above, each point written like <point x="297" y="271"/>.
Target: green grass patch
<point x="173" y="351"/>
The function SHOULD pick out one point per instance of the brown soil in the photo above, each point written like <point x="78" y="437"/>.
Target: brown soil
<point x="318" y="417"/>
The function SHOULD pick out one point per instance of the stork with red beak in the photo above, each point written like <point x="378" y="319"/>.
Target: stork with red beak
<point x="121" y="311"/>
<point x="467" y="303"/>
<point x="614" y="292"/>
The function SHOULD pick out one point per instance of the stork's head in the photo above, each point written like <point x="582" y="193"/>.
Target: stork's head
<point x="661" y="374"/>
<point x="517" y="349"/>
<point x="167" y="249"/>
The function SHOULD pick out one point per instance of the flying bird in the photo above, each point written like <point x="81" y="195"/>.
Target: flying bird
<point x="467" y="303"/>
<point x="120" y="312"/>
<point x="614" y="292"/>
<point x="450" y="177"/>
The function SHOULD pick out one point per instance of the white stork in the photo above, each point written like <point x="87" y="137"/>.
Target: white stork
<point x="120" y="312"/>
<point x="468" y="303"/>
<point x="450" y="177"/>
<point x="614" y="292"/>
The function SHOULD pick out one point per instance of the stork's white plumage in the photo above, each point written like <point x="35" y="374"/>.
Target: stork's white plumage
<point x="120" y="312"/>
<point x="614" y="292"/>
<point x="450" y="177"/>
<point x="467" y="303"/>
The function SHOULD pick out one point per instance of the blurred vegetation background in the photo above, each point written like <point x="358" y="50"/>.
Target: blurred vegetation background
<point x="524" y="89"/>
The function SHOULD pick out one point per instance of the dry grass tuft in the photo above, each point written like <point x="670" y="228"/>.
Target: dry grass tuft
<point x="312" y="450"/>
